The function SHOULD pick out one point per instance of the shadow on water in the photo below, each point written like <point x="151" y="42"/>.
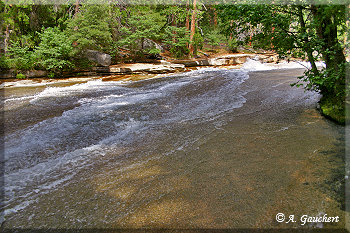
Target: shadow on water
<point x="334" y="185"/>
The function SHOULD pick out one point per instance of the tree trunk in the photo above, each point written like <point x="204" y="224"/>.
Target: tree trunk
<point x="306" y="40"/>
<point x="188" y="15"/>
<point x="331" y="49"/>
<point x="326" y="30"/>
<point x="215" y="18"/>
<point x="231" y="23"/>
<point x="193" y="28"/>
<point x="6" y="39"/>
<point x="76" y="8"/>
<point x="173" y="23"/>
<point x="34" y="23"/>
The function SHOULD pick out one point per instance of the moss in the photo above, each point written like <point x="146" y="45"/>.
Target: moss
<point x="333" y="108"/>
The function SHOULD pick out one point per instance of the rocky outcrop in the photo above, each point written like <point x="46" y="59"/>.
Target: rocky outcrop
<point x="100" y="58"/>
<point x="160" y="67"/>
<point x="139" y="68"/>
<point x="28" y="74"/>
<point x="232" y="59"/>
<point x="191" y="63"/>
<point x="35" y="73"/>
<point x="7" y="74"/>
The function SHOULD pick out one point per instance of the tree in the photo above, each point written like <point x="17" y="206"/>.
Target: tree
<point x="143" y="22"/>
<point x="54" y="51"/>
<point x="306" y="31"/>
<point x="90" y="29"/>
<point x="193" y="28"/>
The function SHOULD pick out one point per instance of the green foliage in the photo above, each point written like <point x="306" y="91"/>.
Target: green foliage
<point x="294" y="30"/>
<point x="90" y="29"/>
<point x="198" y="42"/>
<point x="27" y="19"/>
<point x="154" y="51"/>
<point x="144" y="22"/>
<point x="54" y="37"/>
<point x="4" y="62"/>
<point x="54" y="50"/>
<point x="53" y="53"/>
<point x="232" y="45"/>
<point x="21" y="57"/>
<point x="328" y="81"/>
<point x="178" y="39"/>
<point x="51" y="75"/>
<point x="215" y="38"/>
<point x="20" y="76"/>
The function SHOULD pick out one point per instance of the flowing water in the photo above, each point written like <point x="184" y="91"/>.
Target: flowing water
<point x="211" y="148"/>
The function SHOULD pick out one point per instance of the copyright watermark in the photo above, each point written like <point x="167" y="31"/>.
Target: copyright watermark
<point x="281" y="217"/>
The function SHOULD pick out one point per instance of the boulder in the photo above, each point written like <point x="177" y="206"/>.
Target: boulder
<point x="150" y="44"/>
<point x="35" y="73"/>
<point x="100" y="58"/>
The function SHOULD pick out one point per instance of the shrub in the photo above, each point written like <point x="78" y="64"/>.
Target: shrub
<point x="177" y="38"/>
<point x="197" y="42"/>
<point x="90" y="29"/>
<point x="233" y="45"/>
<point x="20" y="76"/>
<point x="55" y="50"/>
<point x="215" y="38"/>
<point x="21" y="57"/>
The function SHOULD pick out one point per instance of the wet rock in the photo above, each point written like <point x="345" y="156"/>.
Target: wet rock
<point x="164" y="62"/>
<point x="190" y="63"/>
<point x="100" y="58"/>
<point x="232" y="59"/>
<point x="112" y="70"/>
<point x="270" y="59"/>
<point x="161" y="70"/>
<point x="177" y="66"/>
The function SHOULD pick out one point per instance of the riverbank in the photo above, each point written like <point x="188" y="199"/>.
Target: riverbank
<point x="151" y="67"/>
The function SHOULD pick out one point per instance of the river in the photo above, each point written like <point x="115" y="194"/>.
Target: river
<point x="210" y="148"/>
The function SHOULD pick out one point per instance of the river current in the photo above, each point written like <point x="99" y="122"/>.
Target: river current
<point x="211" y="148"/>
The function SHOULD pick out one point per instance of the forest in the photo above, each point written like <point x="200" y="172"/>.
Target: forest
<point x="56" y="37"/>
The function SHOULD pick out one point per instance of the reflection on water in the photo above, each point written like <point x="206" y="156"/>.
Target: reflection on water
<point x="205" y="149"/>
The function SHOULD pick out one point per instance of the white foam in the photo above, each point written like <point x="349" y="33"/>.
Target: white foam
<point x="77" y="88"/>
<point x="253" y="65"/>
<point x="28" y="183"/>
<point x="23" y="83"/>
<point x="18" y="207"/>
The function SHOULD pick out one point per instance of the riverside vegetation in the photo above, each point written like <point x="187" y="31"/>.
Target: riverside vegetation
<point x="56" y="37"/>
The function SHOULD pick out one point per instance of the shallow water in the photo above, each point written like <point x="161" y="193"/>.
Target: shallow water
<point x="211" y="148"/>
